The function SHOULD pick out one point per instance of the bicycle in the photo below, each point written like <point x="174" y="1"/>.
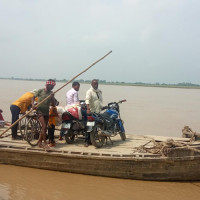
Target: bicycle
<point x="32" y="129"/>
<point x="22" y="125"/>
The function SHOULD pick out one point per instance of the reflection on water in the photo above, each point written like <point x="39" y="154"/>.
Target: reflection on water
<point x="156" y="111"/>
<point x="26" y="183"/>
<point x="4" y="191"/>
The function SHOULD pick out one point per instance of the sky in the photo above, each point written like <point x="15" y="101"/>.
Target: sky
<point x="151" y="40"/>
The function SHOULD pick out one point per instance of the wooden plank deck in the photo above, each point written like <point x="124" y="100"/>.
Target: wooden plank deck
<point x="120" y="160"/>
<point x="119" y="147"/>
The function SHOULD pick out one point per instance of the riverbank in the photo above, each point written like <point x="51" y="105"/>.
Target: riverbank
<point x="103" y="82"/>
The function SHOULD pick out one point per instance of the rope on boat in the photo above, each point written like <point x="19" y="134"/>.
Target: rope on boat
<point x="163" y="148"/>
<point x="187" y="132"/>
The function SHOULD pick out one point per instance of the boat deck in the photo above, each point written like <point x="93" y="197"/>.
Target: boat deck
<point x="117" y="148"/>
<point x="122" y="159"/>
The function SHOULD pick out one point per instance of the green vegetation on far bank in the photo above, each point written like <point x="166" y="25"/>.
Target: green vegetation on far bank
<point x="104" y="82"/>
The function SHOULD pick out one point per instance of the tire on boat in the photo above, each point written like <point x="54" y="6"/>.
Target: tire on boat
<point x="95" y="138"/>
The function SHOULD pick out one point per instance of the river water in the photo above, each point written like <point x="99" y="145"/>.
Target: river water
<point x="148" y="111"/>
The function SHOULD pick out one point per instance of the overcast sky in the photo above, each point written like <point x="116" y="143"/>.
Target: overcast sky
<point x="152" y="40"/>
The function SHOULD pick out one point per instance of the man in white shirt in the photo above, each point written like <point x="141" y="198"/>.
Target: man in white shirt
<point x="94" y="98"/>
<point x="72" y="99"/>
<point x="72" y="94"/>
<point x="94" y="102"/>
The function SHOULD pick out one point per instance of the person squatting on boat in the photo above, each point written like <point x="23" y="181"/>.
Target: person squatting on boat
<point x="94" y="102"/>
<point x="21" y="105"/>
<point x="43" y="109"/>
<point x="2" y="121"/>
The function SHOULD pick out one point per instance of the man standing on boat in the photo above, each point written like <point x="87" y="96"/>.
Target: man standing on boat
<point x="72" y="94"/>
<point x="20" y="106"/>
<point x="72" y="99"/>
<point x="94" y="102"/>
<point x="73" y="102"/>
<point x="43" y="109"/>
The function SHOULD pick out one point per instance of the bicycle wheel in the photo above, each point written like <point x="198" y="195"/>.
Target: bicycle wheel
<point x="22" y="126"/>
<point x="32" y="131"/>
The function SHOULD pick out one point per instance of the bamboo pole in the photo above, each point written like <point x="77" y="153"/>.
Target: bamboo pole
<point x="54" y="93"/>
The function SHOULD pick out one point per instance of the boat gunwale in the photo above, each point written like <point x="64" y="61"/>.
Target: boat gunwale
<point x="102" y="156"/>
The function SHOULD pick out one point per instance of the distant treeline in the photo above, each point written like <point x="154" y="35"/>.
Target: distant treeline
<point x="178" y="85"/>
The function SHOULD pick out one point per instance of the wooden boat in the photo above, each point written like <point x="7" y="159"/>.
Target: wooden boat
<point x="122" y="159"/>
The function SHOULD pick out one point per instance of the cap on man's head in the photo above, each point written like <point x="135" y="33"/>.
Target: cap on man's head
<point x="50" y="82"/>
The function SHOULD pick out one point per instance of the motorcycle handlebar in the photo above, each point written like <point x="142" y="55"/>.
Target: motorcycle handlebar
<point x="124" y="100"/>
<point x="105" y="107"/>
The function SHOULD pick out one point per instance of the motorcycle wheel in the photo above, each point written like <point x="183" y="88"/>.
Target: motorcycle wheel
<point x="123" y="136"/>
<point x="69" y="137"/>
<point x="95" y="138"/>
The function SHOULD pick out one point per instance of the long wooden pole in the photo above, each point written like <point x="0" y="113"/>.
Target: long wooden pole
<point x="54" y="93"/>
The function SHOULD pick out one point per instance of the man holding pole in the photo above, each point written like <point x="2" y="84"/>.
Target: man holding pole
<point x="43" y="109"/>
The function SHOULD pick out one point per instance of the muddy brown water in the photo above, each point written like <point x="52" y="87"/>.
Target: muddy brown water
<point x="25" y="183"/>
<point x="148" y="111"/>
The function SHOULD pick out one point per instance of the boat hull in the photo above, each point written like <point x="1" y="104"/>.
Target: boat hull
<point x="138" y="168"/>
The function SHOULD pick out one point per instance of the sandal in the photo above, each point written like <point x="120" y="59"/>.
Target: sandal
<point x="46" y="147"/>
<point x="40" y="145"/>
<point x="51" y="145"/>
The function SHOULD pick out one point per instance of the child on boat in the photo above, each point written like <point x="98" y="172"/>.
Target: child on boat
<point x="53" y="114"/>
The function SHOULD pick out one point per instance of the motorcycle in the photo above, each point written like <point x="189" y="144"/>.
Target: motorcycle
<point x="73" y="123"/>
<point x="107" y="124"/>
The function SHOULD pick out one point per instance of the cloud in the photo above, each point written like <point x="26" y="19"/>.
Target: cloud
<point x="97" y="38"/>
